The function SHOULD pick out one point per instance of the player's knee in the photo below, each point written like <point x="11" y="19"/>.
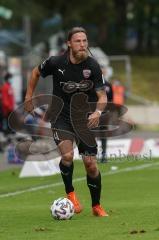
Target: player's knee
<point x="91" y="167"/>
<point x="67" y="158"/>
<point x="92" y="171"/>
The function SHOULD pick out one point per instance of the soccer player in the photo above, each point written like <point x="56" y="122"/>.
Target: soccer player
<point x="69" y="72"/>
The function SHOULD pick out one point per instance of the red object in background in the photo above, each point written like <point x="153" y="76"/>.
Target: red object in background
<point x="7" y="97"/>
<point x="136" y="146"/>
<point x="118" y="94"/>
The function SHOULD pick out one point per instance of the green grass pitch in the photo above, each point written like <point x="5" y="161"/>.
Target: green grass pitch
<point x="130" y="195"/>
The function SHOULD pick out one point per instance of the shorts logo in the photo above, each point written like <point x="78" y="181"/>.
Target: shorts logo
<point x="86" y="73"/>
<point x="55" y="135"/>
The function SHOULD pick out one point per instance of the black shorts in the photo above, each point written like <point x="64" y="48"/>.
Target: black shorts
<point x="63" y="130"/>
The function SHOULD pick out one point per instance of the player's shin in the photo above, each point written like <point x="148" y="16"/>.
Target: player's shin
<point x="94" y="185"/>
<point x="67" y="173"/>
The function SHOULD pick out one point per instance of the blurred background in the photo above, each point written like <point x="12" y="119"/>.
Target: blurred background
<point x="123" y="36"/>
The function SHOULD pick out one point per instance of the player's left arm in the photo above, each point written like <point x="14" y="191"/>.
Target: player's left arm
<point x="98" y="81"/>
<point x="93" y="119"/>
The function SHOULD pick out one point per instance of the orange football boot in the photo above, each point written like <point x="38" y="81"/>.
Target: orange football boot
<point x="73" y="198"/>
<point x="99" y="211"/>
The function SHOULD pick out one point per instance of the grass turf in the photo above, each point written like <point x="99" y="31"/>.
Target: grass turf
<point x="130" y="197"/>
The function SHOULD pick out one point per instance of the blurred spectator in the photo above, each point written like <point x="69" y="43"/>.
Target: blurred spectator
<point x="1" y="119"/>
<point x="1" y="115"/>
<point x="8" y="102"/>
<point x="118" y="92"/>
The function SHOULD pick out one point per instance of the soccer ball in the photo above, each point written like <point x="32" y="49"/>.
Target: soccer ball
<point x="62" y="209"/>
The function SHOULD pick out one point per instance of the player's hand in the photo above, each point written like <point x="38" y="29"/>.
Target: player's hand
<point x="28" y="105"/>
<point x="93" y="120"/>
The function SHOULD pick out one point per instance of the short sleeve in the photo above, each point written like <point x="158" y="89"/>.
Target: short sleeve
<point x="46" y="67"/>
<point x="97" y="77"/>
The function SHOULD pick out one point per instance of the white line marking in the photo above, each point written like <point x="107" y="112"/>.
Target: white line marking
<point x="33" y="189"/>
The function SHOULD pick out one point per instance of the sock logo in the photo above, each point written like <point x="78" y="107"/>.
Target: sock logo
<point x="92" y="185"/>
<point x="65" y="174"/>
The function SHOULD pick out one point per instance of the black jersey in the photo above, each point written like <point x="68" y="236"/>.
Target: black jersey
<point x="109" y="91"/>
<point x="70" y="78"/>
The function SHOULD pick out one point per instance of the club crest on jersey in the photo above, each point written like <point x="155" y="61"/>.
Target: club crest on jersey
<point x="86" y="73"/>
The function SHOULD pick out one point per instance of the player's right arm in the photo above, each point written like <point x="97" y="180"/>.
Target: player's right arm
<point x="35" y="75"/>
<point x="44" y="69"/>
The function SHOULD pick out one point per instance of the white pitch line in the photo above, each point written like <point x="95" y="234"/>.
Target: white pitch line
<point x="33" y="189"/>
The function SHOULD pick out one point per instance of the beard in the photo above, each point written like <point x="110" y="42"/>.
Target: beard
<point x="80" y="55"/>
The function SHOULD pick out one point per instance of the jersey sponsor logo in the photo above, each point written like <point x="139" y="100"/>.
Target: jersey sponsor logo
<point x="71" y="87"/>
<point x="86" y="73"/>
<point x="62" y="71"/>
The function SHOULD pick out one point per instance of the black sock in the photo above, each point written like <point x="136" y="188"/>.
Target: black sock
<point x="94" y="185"/>
<point x="66" y="173"/>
